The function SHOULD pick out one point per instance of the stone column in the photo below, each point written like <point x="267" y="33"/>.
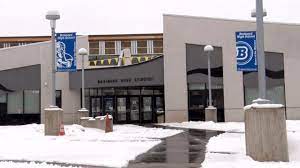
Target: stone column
<point x="53" y="120"/>
<point x="265" y="128"/>
<point x="211" y="114"/>
<point x="81" y="113"/>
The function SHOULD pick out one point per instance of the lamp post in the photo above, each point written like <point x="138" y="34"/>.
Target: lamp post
<point x="208" y="49"/>
<point x="82" y="52"/>
<point x="210" y="111"/>
<point x="259" y="13"/>
<point x="53" y="16"/>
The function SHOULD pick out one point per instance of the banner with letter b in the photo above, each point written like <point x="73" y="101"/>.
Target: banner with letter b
<point x="246" y="51"/>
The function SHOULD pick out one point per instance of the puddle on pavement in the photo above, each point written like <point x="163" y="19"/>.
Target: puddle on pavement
<point x="186" y="149"/>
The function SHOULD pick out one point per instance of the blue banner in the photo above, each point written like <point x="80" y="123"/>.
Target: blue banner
<point x="246" y="51"/>
<point x="65" y="52"/>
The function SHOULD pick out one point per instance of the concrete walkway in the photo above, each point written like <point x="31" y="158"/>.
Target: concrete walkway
<point x="184" y="150"/>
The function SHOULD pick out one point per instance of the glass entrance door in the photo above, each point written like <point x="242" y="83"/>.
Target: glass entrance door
<point x="121" y="109"/>
<point x="134" y="109"/>
<point x="159" y="109"/>
<point x="147" y="108"/>
<point x="3" y="109"/>
<point x="108" y="105"/>
<point x="197" y="104"/>
<point x="95" y="106"/>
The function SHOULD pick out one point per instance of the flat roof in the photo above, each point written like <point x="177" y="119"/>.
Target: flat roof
<point x="232" y="20"/>
<point x="19" y="39"/>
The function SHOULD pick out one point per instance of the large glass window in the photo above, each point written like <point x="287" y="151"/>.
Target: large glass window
<point x="274" y="80"/>
<point x="15" y="103"/>
<point x="31" y="101"/>
<point x="197" y="80"/>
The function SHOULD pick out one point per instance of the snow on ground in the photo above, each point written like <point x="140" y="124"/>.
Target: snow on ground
<point x="221" y="126"/>
<point x="292" y="125"/>
<point x="228" y="150"/>
<point x="80" y="145"/>
<point x="30" y="165"/>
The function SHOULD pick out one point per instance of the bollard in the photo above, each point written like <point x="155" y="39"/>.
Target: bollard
<point x="108" y="124"/>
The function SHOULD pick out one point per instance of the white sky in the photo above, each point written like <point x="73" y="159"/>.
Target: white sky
<point x="27" y="17"/>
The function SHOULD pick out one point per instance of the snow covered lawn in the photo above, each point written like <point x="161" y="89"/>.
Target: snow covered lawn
<point x="80" y="145"/>
<point x="229" y="150"/>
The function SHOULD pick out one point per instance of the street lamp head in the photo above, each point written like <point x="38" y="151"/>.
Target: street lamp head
<point x="82" y="52"/>
<point x="52" y="15"/>
<point x="208" y="48"/>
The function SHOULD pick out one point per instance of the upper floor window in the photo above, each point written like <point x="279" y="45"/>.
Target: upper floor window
<point x="94" y="47"/>
<point x="142" y="47"/>
<point x="110" y="47"/>
<point x="158" y="46"/>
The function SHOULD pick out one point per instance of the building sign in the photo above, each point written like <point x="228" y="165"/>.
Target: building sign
<point x="65" y="52"/>
<point x="246" y="51"/>
<point x="126" y="80"/>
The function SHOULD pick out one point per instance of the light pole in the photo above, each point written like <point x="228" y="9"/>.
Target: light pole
<point x="210" y="111"/>
<point x="82" y="52"/>
<point x="208" y="49"/>
<point x="53" y="16"/>
<point x="259" y="14"/>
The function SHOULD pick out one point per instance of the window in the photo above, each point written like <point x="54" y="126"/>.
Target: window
<point x="31" y="101"/>
<point x="110" y="47"/>
<point x="15" y="103"/>
<point x="3" y="98"/>
<point x="142" y="46"/>
<point x="94" y="47"/>
<point x="58" y="98"/>
<point x="93" y="92"/>
<point x="108" y="91"/>
<point x="274" y="80"/>
<point x="158" y="46"/>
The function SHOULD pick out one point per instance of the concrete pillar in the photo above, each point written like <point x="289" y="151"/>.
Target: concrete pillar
<point x="211" y="114"/>
<point x="266" y="137"/>
<point x="81" y="113"/>
<point x="100" y="122"/>
<point x="84" y="121"/>
<point x="53" y="120"/>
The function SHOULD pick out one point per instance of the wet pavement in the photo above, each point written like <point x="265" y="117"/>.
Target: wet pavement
<point x="184" y="150"/>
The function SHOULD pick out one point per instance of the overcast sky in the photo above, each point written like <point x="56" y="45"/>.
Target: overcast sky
<point x="27" y="17"/>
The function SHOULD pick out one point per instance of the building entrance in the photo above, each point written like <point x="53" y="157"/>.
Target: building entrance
<point x="198" y="101"/>
<point x="131" y="105"/>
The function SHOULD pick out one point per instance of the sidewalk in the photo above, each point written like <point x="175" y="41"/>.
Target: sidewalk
<point x="186" y="149"/>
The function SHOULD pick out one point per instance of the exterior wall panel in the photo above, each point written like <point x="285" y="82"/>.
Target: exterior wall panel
<point x="179" y="30"/>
